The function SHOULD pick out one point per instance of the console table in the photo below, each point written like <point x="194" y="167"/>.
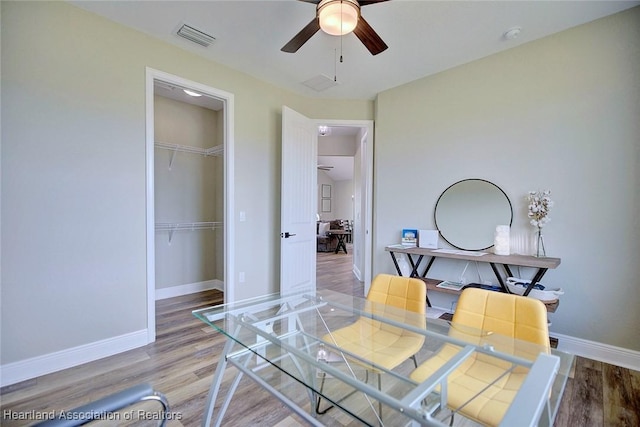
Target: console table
<point x="542" y="264"/>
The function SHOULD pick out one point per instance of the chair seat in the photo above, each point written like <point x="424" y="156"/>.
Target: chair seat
<point x="382" y="348"/>
<point x="470" y="386"/>
<point x="483" y="387"/>
<point x="377" y="345"/>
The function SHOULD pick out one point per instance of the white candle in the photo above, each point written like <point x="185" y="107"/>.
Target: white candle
<point x="501" y="240"/>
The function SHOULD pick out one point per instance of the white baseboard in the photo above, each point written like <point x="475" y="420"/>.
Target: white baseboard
<point x="189" y="288"/>
<point x="41" y="365"/>
<point x="613" y="355"/>
<point x="23" y="370"/>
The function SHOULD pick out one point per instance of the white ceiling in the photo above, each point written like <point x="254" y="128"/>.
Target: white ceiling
<point x="424" y="37"/>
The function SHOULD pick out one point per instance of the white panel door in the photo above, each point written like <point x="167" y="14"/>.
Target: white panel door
<point x="298" y="202"/>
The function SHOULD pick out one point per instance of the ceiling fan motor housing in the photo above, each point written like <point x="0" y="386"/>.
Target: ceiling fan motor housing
<point x="338" y="17"/>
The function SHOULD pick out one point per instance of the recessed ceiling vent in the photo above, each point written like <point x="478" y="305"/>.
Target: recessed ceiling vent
<point x="320" y="83"/>
<point x="193" y="34"/>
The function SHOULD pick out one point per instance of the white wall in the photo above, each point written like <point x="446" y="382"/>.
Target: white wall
<point x="343" y="199"/>
<point x="337" y="145"/>
<point x="73" y="175"/>
<point x="561" y="113"/>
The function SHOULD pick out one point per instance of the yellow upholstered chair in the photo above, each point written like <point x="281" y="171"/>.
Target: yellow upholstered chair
<point x="377" y="345"/>
<point x="483" y="387"/>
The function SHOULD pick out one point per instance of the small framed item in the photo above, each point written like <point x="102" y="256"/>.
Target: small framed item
<point x="326" y="205"/>
<point x="409" y="237"/>
<point x="326" y="191"/>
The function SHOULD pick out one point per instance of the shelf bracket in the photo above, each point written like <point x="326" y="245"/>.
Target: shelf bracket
<point x="173" y="156"/>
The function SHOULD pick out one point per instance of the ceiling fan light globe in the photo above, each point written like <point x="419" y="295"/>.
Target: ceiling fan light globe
<point x="338" y="17"/>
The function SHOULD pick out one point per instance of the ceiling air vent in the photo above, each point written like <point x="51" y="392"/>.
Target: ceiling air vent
<point x="193" y="34"/>
<point x="320" y="83"/>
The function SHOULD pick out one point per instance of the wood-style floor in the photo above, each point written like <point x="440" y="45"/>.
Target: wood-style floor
<point x="181" y="364"/>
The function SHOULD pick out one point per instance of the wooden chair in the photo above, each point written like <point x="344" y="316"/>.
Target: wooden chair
<point x="483" y="387"/>
<point x="377" y="345"/>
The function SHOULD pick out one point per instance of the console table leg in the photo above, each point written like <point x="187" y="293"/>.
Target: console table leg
<point x="395" y="262"/>
<point x="414" y="266"/>
<point x="499" y="277"/>
<point x="426" y="270"/>
<point x="535" y="280"/>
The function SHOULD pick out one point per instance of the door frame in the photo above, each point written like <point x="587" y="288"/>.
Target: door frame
<point x="229" y="192"/>
<point x="367" y="191"/>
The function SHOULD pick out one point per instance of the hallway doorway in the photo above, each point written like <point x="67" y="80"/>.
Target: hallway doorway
<point x="345" y="163"/>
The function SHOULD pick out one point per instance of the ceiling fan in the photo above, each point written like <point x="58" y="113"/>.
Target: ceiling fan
<point x="325" y="167"/>
<point x="339" y="17"/>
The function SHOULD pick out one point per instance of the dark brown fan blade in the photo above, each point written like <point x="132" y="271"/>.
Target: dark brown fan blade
<point x="369" y="37"/>
<point x="367" y="2"/>
<point x="301" y="38"/>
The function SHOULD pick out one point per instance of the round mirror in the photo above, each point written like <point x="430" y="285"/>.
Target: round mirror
<point x="468" y="212"/>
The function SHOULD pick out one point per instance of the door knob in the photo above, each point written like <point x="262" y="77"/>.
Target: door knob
<point x="286" y="235"/>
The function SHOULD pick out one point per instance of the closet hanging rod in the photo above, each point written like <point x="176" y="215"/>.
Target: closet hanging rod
<point x="213" y="151"/>
<point x="163" y="226"/>
<point x="172" y="227"/>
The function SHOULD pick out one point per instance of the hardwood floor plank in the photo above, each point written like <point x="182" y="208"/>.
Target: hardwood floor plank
<point x="564" y="411"/>
<point x="621" y="407"/>
<point x="586" y="399"/>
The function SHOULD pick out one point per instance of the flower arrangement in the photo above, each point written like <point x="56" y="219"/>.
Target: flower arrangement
<point x="539" y="205"/>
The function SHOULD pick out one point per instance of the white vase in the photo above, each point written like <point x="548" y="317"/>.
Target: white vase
<point x="522" y="243"/>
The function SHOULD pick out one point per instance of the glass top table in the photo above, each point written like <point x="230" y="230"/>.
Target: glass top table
<point x="288" y="345"/>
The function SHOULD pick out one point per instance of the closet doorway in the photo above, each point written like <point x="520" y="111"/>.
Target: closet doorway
<point x="189" y="158"/>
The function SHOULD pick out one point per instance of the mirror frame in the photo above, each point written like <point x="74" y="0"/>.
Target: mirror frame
<point x="435" y="213"/>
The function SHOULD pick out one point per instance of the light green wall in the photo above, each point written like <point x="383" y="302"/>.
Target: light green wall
<point x="561" y="113"/>
<point x="73" y="173"/>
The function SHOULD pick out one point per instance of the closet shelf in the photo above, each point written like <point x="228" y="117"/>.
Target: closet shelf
<point x="172" y="227"/>
<point x="218" y="150"/>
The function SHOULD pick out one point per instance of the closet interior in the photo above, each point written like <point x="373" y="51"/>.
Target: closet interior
<point x="188" y="191"/>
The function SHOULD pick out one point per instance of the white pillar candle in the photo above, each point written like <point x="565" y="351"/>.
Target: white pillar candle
<point x="501" y="240"/>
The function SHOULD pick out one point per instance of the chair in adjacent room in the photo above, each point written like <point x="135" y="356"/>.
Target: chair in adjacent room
<point x="376" y="345"/>
<point x="483" y="387"/>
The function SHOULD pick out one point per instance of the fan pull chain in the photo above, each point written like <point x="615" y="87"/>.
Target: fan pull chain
<point x="341" y="31"/>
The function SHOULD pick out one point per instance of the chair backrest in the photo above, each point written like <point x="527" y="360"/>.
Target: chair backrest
<point x="407" y="293"/>
<point x="509" y="315"/>
<point x="388" y="293"/>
